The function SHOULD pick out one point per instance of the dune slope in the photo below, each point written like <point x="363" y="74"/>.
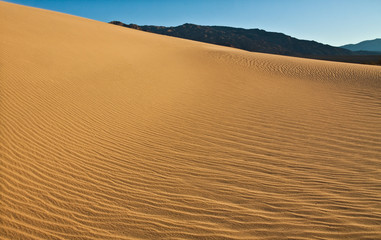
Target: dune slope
<point x="113" y="133"/>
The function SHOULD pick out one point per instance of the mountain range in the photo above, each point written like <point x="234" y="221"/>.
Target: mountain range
<point x="368" y="45"/>
<point x="257" y="40"/>
<point x="254" y="40"/>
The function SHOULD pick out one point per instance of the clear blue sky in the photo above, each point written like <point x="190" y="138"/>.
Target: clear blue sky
<point x="334" y="22"/>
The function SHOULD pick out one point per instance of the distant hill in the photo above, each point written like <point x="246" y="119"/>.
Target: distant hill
<point x="254" y="40"/>
<point x="368" y="45"/>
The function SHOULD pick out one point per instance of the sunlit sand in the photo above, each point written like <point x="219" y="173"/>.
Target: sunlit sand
<point x="113" y="133"/>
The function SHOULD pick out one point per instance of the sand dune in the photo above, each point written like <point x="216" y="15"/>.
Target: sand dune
<point x="113" y="133"/>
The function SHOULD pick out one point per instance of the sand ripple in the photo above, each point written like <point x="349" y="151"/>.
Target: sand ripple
<point x="113" y="133"/>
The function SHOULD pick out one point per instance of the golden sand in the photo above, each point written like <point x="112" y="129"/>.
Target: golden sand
<point x="114" y="133"/>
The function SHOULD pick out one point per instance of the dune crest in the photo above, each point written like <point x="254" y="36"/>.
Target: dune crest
<point x="113" y="133"/>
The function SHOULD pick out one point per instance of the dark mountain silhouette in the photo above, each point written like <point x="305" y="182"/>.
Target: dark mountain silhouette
<point x="365" y="58"/>
<point x="254" y="40"/>
<point x="368" y="45"/>
<point x="257" y="40"/>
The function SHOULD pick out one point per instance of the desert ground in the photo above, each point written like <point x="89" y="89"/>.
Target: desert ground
<point x="114" y="133"/>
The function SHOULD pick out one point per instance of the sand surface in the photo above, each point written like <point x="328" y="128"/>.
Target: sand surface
<point x="113" y="133"/>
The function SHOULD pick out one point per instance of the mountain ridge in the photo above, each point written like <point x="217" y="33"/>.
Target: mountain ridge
<point x="373" y="45"/>
<point x="254" y="40"/>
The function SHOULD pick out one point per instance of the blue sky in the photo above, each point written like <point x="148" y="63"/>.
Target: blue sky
<point x="334" y="22"/>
